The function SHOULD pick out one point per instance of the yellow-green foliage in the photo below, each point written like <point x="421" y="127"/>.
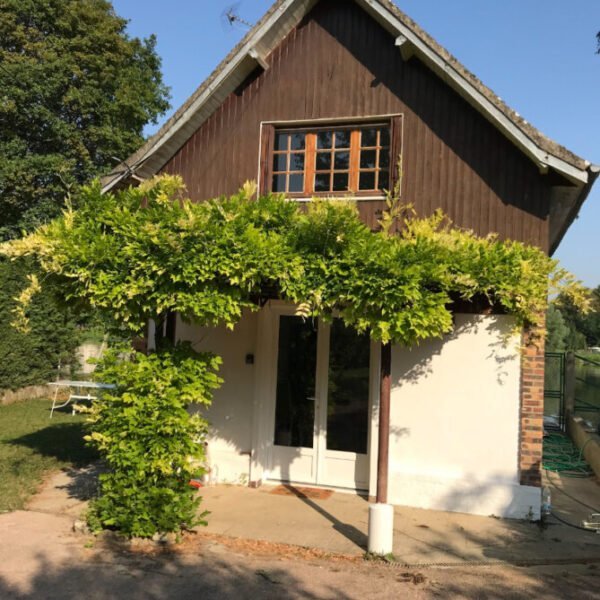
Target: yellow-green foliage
<point x="138" y="253"/>
<point x="149" y="440"/>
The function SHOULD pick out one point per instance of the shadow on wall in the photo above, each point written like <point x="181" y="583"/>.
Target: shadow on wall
<point x="495" y="490"/>
<point x="419" y="364"/>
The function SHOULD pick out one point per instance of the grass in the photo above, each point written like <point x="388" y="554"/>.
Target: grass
<point x="32" y="445"/>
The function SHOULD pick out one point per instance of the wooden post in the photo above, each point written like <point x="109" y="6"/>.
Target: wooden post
<point x="384" y="423"/>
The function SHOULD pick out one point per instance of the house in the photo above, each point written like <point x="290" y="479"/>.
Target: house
<point x="325" y="97"/>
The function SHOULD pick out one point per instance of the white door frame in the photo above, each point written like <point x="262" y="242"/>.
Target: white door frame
<point x="265" y="404"/>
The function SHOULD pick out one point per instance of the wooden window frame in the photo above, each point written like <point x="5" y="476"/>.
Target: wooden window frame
<point x="267" y="152"/>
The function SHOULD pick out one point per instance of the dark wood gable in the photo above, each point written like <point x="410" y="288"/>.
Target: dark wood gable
<point x="340" y="63"/>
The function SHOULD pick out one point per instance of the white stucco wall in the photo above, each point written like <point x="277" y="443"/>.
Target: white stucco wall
<point x="455" y="422"/>
<point x="455" y="415"/>
<point x="231" y="414"/>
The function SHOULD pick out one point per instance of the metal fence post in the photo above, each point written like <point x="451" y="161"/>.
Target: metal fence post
<point x="569" y="386"/>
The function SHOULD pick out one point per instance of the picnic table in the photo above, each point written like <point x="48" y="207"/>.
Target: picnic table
<point x="79" y="390"/>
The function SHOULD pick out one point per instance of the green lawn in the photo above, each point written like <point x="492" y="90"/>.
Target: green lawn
<point x="32" y="444"/>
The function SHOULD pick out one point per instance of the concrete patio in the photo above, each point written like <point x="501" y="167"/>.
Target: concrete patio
<point x="337" y="522"/>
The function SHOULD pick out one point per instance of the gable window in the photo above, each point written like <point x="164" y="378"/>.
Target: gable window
<point x="329" y="160"/>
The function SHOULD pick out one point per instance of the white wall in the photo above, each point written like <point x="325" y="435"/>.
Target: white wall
<point x="455" y="422"/>
<point x="231" y="413"/>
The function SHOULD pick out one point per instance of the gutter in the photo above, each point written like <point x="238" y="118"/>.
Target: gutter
<point x="593" y="173"/>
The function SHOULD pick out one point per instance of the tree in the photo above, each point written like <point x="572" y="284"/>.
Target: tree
<point x="52" y="337"/>
<point x="583" y="327"/>
<point x="76" y="91"/>
<point x="557" y="330"/>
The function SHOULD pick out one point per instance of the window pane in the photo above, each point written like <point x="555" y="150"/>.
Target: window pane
<point x="342" y="139"/>
<point x="296" y="368"/>
<point x="298" y="141"/>
<point x="281" y="141"/>
<point x="324" y="139"/>
<point x="367" y="181"/>
<point x="384" y="180"/>
<point x="368" y="159"/>
<point x="323" y="161"/>
<point x="368" y="137"/>
<point x="385" y="137"/>
<point x="296" y="162"/>
<point x="341" y="161"/>
<point x="340" y="182"/>
<point x="296" y="183"/>
<point x="279" y="183"/>
<point x="348" y="390"/>
<point x="384" y="158"/>
<point x="322" y="182"/>
<point x="280" y="162"/>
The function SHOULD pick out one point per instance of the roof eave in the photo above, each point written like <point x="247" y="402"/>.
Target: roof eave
<point x="253" y="48"/>
<point x="405" y="36"/>
<point x="593" y="173"/>
<point x="289" y="12"/>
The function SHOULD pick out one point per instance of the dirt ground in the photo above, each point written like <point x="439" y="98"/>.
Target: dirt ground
<point x="41" y="558"/>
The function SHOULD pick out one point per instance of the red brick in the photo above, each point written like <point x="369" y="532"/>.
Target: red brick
<point x="532" y="408"/>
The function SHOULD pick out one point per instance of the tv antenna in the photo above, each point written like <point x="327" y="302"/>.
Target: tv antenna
<point x="231" y="17"/>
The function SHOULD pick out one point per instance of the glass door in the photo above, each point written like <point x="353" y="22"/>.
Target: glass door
<point x="293" y="457"/>
<point x="321" y="424"/>
<point x="343" y="460"/>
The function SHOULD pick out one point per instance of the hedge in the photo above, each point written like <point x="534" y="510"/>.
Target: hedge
<point x="32" y="358"/>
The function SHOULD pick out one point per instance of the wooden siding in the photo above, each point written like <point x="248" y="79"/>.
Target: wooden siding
<point x="340" y="63"/>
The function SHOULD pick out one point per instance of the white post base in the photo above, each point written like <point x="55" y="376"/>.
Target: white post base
<point x="381" y="529"/>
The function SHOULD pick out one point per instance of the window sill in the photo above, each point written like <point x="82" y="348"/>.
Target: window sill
<point x="341" y="197"/>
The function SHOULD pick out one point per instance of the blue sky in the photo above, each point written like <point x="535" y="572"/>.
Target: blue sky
<point x="538" y="55"/>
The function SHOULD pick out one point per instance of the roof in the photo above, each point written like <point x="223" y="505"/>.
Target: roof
<point x="275" y="25"/>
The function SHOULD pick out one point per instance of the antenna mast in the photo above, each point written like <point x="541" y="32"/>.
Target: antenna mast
<point x="233" y="18"/>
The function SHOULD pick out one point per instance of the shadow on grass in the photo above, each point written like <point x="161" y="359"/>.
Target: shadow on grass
<point x="62" y="441"/>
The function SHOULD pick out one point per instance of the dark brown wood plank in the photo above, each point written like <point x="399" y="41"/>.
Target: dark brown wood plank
<point x="340" y="63"/>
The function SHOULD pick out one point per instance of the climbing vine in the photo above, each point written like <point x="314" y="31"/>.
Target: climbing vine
<point x="142" y="252"/>
<point x="138" y="253"/>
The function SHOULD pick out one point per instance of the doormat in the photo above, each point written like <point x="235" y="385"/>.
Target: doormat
<point x="302" y="492"/>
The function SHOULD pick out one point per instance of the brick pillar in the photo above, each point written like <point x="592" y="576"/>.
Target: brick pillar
<point x="532" y="408"/>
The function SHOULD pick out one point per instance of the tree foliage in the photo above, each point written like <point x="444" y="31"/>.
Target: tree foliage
<point x="52" y="337"/>
<point x="557" y="331"/>
<point x="578" y="329"/>
<point x="76" y="90"/>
